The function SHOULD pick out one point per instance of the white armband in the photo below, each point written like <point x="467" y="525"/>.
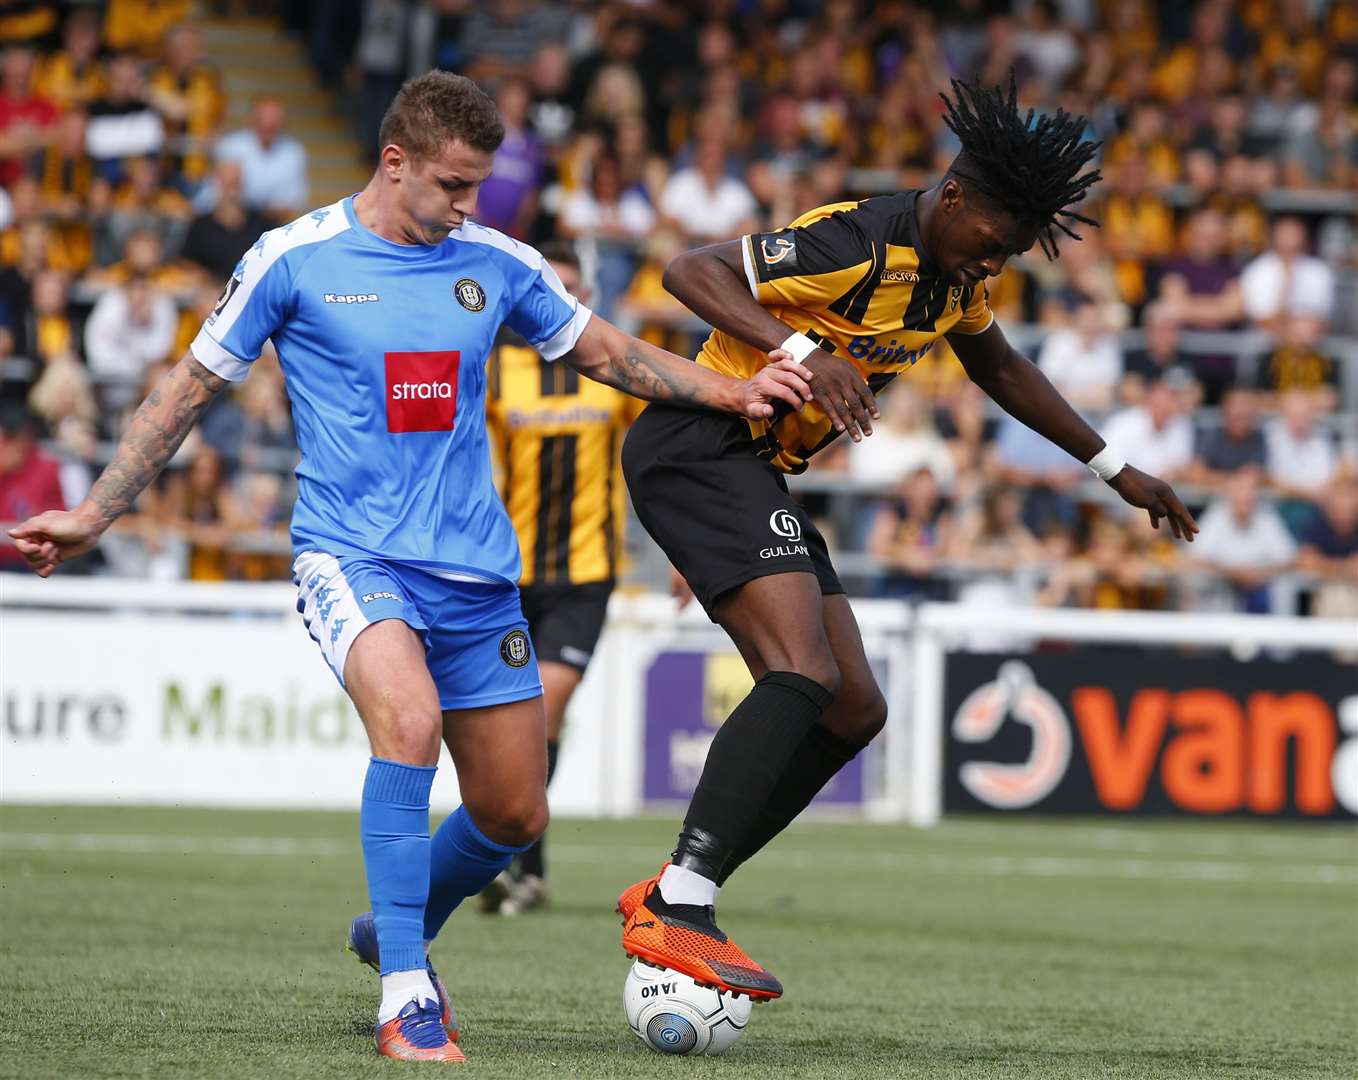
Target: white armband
<point x="799" y="345"/>
<point x="1106" y="464"/>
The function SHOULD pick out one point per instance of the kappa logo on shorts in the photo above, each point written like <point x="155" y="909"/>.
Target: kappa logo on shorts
<point x="784" y="523"/>
<point x="514" y="649"/>
<point x="421" y="390"/>
<point x="470" y="294"/>
<point x="369" y="597"/>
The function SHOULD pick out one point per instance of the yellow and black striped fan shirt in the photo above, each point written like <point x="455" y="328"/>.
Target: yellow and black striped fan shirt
<point x="557" y="437"/>
<point x="849" y="276"/>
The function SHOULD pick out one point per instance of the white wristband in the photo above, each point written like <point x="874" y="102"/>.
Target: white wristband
<point x="799" y="345"/>
<point x="1106" y="464"/>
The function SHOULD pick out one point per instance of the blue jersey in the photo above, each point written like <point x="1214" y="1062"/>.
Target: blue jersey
<point x="383" y="347"/>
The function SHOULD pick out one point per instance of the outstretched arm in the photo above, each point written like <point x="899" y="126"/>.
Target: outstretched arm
<point x="607" y="355"/>
<point x="711" y="282"/>
<point x="158" y="427"/>
<point x="1015" y="383"/>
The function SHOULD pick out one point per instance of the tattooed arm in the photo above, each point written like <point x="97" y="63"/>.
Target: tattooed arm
<point x="607" y="355"/>
<point x="156" y="431"/>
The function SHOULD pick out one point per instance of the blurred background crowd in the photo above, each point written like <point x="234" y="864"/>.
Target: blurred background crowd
<point x="1208" y="328"/>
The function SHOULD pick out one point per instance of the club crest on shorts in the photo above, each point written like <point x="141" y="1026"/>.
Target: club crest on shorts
<point x="784" y="523"/>
<point x="470" y="294"/>
<point x="514" y="649"/>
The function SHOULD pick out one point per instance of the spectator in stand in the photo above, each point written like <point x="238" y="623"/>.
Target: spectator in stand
<point x="1301" y="455"/>
<point x="188" y="93"/>
<point x="552" y="114"/>
<point x="215" y="241"/>
<point x="1300" y="362"/>
<point x="1329" y="548"/>
<point x="63" y="170"/>
<point x="30" y="480"/>
<point x="1236" y="444"/>
<point x="1155" y="432"/>
<point x="1138" y="228"/>
<point x="1084" y="360"/>
<point x="1322" y="144"/>
<point x="123" y="123"/>
<point x="142" y="203"/>
<point x="501" y="39"/>
<point x="1285" y="281"/>
<point x="255" y="508"/>
<point x="273" y="164"/>
<point x="910" y="534"/>
<point x="704" y="203"/>
<point x="906" y="441"/>
<point x="508" y="198"/>
<point x="141" y="25"/>
<point x="1021" y="458"/>
<point x="1274" y="113"/>
<point x="1158" y="356"/>
<point x="50" y="332"/>
<point x="1202" y="290"/>
<point x="614" y="221"/>
<point x="131" y="327"/>
<point x="1245" y="542"/>
<point x="26" y="118"/>
<point x="142" y="256"/>
<point x="73" y="77"/>
<point x="194" y="506"/>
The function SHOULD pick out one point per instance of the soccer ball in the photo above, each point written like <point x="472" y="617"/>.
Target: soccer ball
<point x="672" y="1014"/>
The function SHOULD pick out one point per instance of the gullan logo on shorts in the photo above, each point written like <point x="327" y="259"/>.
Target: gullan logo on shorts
<point x="777" y="248"/>
<point x="784" y="523"/>
<point x="470" y="294"/>
<point x="514" y="649"/>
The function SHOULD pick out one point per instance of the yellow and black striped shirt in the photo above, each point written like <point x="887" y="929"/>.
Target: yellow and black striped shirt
<point x="558" y="436"/>
<point x="849" y="276"/>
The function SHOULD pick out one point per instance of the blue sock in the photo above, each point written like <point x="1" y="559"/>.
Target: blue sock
<point x="462" y="862"/>
<point x="394" y="827"/>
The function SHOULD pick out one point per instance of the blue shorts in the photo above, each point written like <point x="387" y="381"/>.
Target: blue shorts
<point x="475" y="637"/>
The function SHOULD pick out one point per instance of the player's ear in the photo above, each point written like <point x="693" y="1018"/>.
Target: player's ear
<point x="394" y="161"/>
<point x="952" y="197"/>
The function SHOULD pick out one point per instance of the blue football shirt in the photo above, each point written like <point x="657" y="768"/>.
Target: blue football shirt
<point x="383" y="348"/>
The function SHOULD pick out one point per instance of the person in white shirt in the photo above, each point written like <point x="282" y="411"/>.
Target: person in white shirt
<point x="1299" y="455"/>
<point x="905" y="440"/>
<point x="1286" y="281"/>
<point x="1083" y="360"/>
<point x="131" y="327"/>
<point x="273" y="165"/>
<point x="1155" y="432"/>
<point x="704" y="203"/>
<point x="1245" y="541"/>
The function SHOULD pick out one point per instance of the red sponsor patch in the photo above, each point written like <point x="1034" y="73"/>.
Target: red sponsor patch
<point x="421" y="390"/>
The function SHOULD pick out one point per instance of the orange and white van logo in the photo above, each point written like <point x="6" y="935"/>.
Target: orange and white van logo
<point x="1014" y="695"/>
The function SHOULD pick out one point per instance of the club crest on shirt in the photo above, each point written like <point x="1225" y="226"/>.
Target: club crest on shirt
<point x="777" y="248"/>
<point x="514" y="649"/>
<point x="470" y="294"/>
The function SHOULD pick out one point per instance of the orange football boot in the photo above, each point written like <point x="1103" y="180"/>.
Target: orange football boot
<point x="417" y="1033"/>
<point x="698" y="949"/>
<point x="633" y="895"/>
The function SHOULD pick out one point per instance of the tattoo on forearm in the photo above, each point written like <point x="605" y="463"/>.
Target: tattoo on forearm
<point x="156" y="431"/>
<point x="650" y="377"/>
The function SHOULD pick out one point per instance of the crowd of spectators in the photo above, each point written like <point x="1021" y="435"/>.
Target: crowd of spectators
<point x="1205" y="327"/>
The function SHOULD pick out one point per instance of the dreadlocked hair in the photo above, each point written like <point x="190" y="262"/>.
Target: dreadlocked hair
<point x="1030" y="170"/>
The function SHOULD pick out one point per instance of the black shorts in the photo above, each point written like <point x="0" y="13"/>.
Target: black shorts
<point x="565" y="621"/>
<point x="721" y="514"/>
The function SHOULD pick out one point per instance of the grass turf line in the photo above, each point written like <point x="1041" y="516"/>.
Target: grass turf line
<point x="979" y="949"/>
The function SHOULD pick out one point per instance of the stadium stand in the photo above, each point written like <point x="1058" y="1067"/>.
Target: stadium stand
<point x="1209" y="328"/>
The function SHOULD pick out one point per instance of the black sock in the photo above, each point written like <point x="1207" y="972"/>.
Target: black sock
<point x="748" y="756"/>
<point x="532" y="861"/>
<point x="820" y="755"/>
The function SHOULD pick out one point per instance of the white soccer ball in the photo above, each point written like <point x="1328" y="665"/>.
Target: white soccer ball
<point x="672" y="1014"/>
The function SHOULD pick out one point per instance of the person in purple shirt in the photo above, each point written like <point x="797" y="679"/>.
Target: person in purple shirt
<point x="509" y="196"/>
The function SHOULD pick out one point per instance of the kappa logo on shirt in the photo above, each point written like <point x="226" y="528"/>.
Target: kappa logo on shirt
<point x="351" y="298"/>
<point x="421" y="391"/>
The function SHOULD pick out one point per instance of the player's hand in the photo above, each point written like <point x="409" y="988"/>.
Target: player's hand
<point x="1155" y="497"/>
<point x="49" y="539"/>
<point x="783" y="379"/>
<point x="842" y="394"/>
<point x="680" y="589"/>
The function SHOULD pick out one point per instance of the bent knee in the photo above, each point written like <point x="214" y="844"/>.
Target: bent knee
<point x="515" y="825"/>
<point x="858" y="717"/>
<point x="410" y="737"/>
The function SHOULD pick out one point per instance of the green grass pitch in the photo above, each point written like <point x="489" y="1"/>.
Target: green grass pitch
<point x="195" y="943"/>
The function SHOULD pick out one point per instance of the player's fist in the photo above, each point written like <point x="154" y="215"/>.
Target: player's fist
<point x="843" y="394"/>
<point x="49" y="539"/>
<point x="783" y="379"/>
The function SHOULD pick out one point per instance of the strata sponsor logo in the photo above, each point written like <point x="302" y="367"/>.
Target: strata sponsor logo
<point x="908" y="276"/>
<point x="784" y="550"/>
<point x="351" y="298"/>
<point x="865" y="348"/>
<point x="369" y="597"/>
<point x="784" y="523"/>
<point x="421" y="391"/>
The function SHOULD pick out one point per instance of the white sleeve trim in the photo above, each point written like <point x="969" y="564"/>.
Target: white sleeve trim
<point x="972" y="333"/>
<point x="564" y="340"/>
<point x="746" y="244"/>
<point x="217" y="359"/>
